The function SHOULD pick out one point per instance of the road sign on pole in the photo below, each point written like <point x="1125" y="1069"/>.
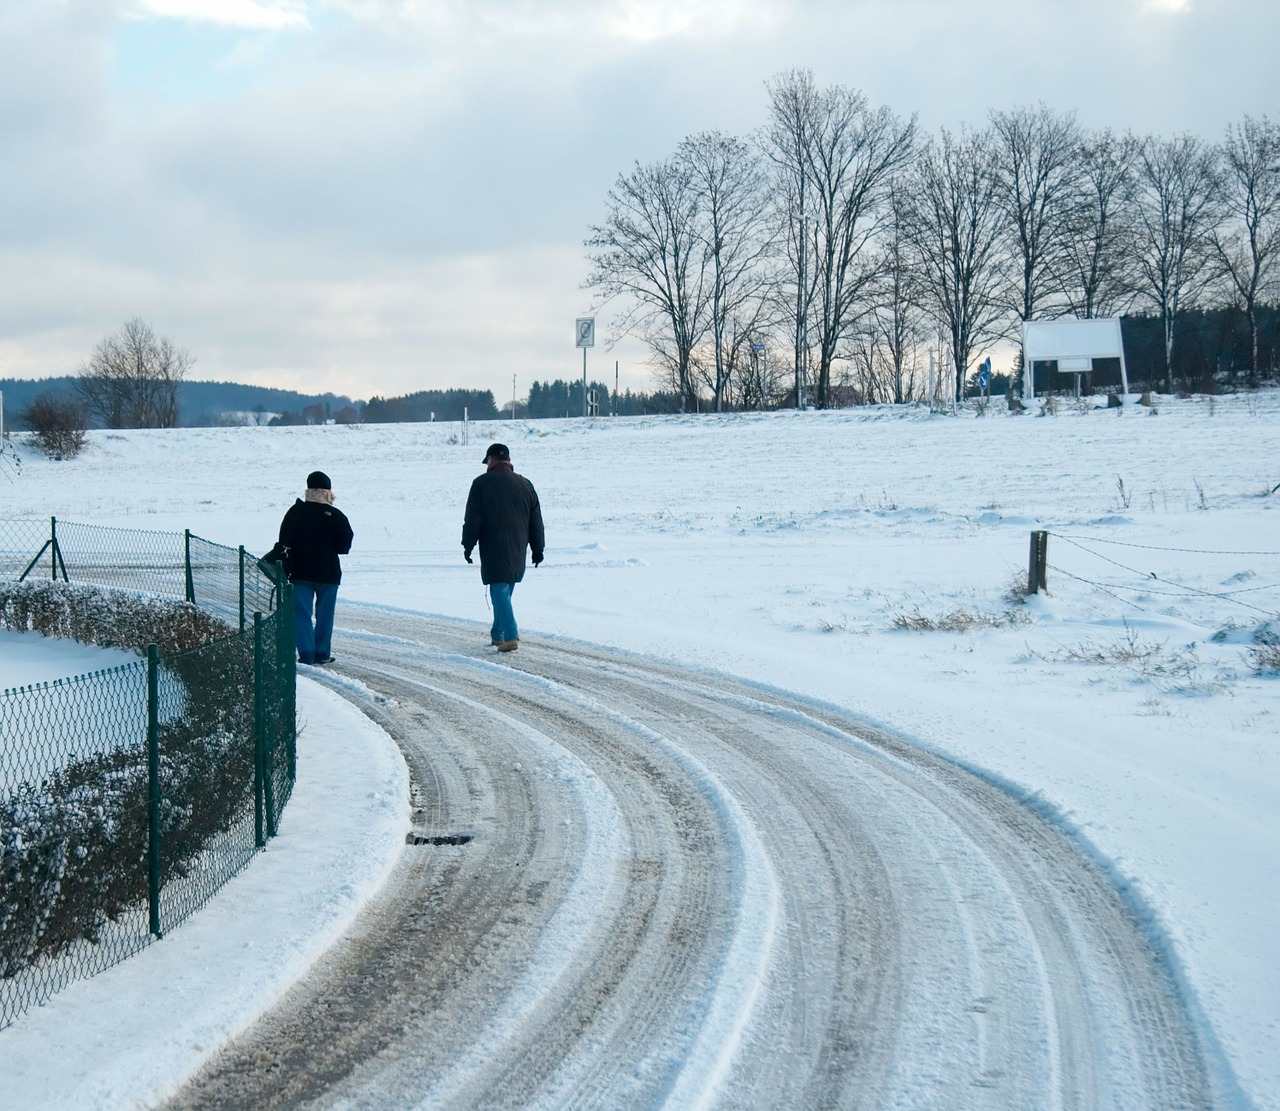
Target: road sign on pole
<point x="586" y="330"/>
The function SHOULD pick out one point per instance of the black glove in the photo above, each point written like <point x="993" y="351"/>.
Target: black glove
<point x="537" y="559"/>
<point x="466" y="554"/>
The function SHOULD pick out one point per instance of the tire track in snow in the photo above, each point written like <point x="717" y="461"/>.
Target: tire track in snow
<point x="810" y="913"/>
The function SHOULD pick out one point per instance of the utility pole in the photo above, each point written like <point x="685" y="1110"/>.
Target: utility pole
<point x="513" y="397"/>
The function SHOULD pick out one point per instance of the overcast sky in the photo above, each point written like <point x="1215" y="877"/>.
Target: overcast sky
<point x="381" y="196"/>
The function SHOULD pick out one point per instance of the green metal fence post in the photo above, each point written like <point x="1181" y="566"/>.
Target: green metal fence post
<point x="153" y="786"/>
<point x="268" y="733"/>
<point x="55" y="554"/>
<point x="191" y="584"/>
<point x="261" y="786"/>
<point x="242" y="588"/>
<point x="289" y="674"/>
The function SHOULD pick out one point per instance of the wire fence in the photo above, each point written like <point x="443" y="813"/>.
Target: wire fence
<point x="130" y="795"/>
<point x="1110" y="567"/>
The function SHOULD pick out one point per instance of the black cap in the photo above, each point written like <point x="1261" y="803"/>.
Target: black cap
<point x="318" y="480"/>
<point x="497" y="451"/>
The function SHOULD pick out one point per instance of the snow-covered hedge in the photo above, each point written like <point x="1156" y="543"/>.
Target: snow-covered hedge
<point x="107" y="618"/>
<point x="74" y="847"/>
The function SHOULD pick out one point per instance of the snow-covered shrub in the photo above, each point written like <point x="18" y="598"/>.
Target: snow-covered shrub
<point x="69" y="856"/>
<point x="107" y="618"/>
<point x="74" y="849"/>
<point x="74" y="846"/>
<point x="32" y="865"/>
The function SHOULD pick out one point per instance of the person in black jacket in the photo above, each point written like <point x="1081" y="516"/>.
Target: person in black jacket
<point x="312" y="536"/>
<point x="504" y="518"/>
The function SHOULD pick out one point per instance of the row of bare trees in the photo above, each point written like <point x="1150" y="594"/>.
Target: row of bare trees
<point x="844" y="238"/>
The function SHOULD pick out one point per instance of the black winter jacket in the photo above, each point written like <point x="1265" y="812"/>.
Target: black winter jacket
<point x="503" y="517"/>
<point x="315" y="534"/>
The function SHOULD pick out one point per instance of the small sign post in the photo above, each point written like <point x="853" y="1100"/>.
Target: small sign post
<point x="586" y="329"/>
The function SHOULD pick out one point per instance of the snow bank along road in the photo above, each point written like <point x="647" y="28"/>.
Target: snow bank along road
<point x="633" y="887"/>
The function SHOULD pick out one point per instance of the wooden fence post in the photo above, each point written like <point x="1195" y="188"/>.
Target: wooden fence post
<point x="1038" y="562"/>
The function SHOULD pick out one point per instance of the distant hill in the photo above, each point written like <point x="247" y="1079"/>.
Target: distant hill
<point x="199" y="403"/>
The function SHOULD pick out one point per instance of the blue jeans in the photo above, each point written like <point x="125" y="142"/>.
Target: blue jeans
<point x="314" y="642"/>
<point x="504" y="618"/>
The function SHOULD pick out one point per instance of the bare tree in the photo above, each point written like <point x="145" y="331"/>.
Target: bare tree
<point x="955" y="226"/>
<point x="1036" y="180"/>
<point x="649" y="251"/>
<point x="896" y="321"/>
<point x="846" y="156"/>
<point x="1099" y="242"/>
<point x="131" y="378"/>
<point x="794" y="110"/>
<point x="1246" y="247"/>
<point x="733" y="225"/>
<point x="858" y="153"/>
<point x="1177" y="210"/>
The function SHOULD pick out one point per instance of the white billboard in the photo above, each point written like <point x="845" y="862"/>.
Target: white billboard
<point x="1072" y="344"/>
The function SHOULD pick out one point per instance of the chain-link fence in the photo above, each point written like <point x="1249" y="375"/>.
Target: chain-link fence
<point x="130" y="795"/>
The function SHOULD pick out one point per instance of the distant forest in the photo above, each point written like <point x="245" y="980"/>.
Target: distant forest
<point x="546" y="400"/>
<point x="430" y="405"/>
<point x="564" y="399"/>
<point x="1214" y="348"/>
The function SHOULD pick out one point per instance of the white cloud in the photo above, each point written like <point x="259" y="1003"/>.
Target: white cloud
<point x="1167" y="6"/>
<point x="265" y="15"/>
<point x="582" y="21"/>
<point x="649" y="20"/>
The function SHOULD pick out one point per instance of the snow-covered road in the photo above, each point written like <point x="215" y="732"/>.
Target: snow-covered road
<point x="636" y="888"/>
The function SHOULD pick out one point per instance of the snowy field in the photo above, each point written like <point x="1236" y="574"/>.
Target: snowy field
<point x="864" y="558"/>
